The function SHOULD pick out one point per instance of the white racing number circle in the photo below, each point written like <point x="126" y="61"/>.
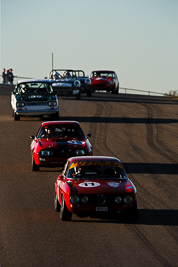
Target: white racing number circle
<point x="89" y="184"/>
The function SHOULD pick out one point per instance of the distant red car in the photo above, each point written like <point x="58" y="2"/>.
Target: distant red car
<point x="56" y="141"/>
<point x="94" y="186"/>
<point x="105" y="80"/>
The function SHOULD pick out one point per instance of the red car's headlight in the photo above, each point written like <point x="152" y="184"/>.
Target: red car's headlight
<point x="74" y="199"/>
<point x="45" y="153"/>
<point x="84" y="199"/>
<point x="80" y="152"/>
<point x="111" y="82"/>
<point x="118" y="199"/>
<point x="128" y="200"/>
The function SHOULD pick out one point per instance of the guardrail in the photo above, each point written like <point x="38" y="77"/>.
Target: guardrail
<point x="18" y="77"/>
<point x="138" y="90"/>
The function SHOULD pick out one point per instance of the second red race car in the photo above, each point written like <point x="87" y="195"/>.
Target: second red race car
<point x="56" y="141"/>
<point x="104" y="80"/>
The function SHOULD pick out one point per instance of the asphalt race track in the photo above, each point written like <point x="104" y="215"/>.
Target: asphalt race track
<point x="140" y="130"/>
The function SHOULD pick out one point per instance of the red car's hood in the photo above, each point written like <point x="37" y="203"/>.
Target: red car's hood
<point x="56" y="143"/>
<point x="101" y="186"/>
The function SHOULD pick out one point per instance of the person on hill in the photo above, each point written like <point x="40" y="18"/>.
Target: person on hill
<point x="10" y="76"/>
<point x="4" y="76"/>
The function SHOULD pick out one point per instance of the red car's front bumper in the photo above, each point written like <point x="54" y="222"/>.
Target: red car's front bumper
<point x="95" y="209"/>
<point x="51" y="162"/>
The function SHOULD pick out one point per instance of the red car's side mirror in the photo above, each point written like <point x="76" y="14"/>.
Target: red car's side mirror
<point x="88" y="135"/>
<point x="61" y="177"/>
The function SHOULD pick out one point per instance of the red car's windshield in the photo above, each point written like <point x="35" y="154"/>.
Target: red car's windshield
<point x="61" y="131"/>
<point x="95" y="169"/>
<point x="103" y="74"/>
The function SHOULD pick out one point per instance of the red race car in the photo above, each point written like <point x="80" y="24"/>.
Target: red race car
<point x="104" y="80"/>
<point x="94" y="186"/>
<point x="56" y="141"/>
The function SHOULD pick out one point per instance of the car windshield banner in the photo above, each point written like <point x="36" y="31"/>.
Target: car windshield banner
<point x="95" y="163"/>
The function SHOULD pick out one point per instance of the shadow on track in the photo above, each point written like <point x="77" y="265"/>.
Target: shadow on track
<point x="151" y="168"/>
<point x="145" y="217"/>
<point x="126" y="98"/>
<point x="120" y="120"/>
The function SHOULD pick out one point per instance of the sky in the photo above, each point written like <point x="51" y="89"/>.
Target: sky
<point x="136" y="38"/>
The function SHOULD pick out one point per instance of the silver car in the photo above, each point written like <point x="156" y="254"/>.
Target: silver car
<point x="34" y="98"/>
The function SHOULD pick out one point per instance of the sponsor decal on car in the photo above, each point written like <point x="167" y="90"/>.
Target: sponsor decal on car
<point x="100" y="78"/>
<point x="89" y="184"/>
<point x="113" y="184"/>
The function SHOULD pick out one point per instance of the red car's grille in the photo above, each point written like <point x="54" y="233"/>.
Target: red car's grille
<point x="101" y="199"/>
<point x="99" y="85"/>
<point x="63" y="152"/>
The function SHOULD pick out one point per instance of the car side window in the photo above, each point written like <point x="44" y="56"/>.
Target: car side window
<point x="15" y="90"/>
<point x="66" y="168"/>
<point x="39" y="132"/>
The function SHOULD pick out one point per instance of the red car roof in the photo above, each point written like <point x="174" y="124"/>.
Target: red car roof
<point x="91" y="158"/>
<point x="59" y="122"/>
<point x="104" y="71"/>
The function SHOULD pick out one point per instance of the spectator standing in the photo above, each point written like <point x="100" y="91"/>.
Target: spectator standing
<point x="4" y="76"/>
<point x="10" y="76"/>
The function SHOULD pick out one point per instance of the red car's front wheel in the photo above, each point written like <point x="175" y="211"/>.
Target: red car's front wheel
<point x="65" y="214"/>
<point x="115" y="90"/>
<point x="57" y="206"/>
<point x="34" y="166"/>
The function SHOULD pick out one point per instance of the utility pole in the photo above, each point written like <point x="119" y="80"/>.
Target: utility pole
<point x="52" y="61"/>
